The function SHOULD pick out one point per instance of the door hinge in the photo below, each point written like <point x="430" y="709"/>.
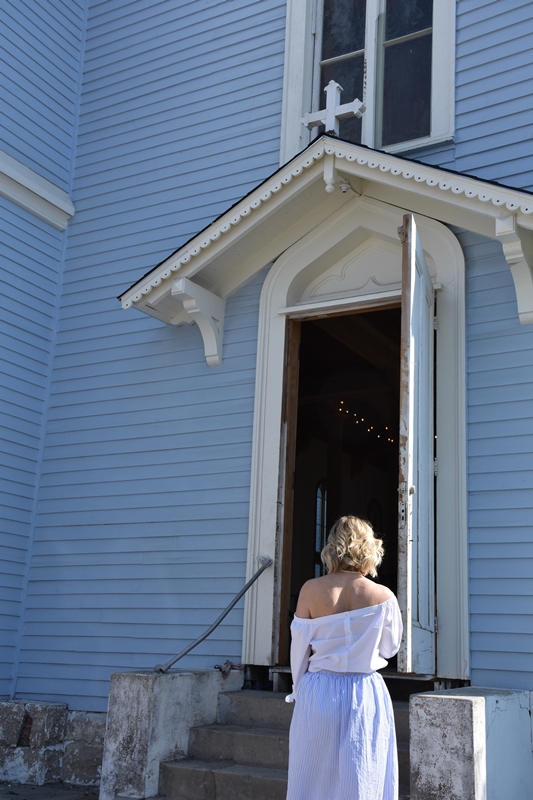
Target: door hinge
<point x="435" y="467"/>
<point x="436" y="624"/>
<point x="435" y="322"/>
<point x="402" y="513"/>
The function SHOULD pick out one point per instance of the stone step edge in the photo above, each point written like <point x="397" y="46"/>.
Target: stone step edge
<point x="225" y="766"/>
<point x="280" y="696"/>
<point x="161" y="797"/>
<point x="256" y="693"/>
<point x="243" y="695"/>
<point x="221" y="727"/>
<point x="247" y="730"/>
<point x="232" y="768"/>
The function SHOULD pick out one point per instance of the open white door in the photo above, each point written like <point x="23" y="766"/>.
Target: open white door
<point x="416" y="581"/>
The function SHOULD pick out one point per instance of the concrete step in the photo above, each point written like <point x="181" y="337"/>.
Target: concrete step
<point x="404" y="765"/>
<point x="269" y="710"/>
<point x="261" y="747"/>
<point x="246" y="755"/>
<point x="205" y="780"/>
<point x="250" y="708"/>
<point x="401" y="720"/>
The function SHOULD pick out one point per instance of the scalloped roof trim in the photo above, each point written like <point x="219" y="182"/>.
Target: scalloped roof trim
<point x="513" y="201"/>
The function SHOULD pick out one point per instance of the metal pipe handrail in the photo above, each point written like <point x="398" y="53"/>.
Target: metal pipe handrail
<point x="266" y="562"/>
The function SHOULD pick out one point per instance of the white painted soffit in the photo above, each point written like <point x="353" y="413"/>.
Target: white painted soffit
<point x="313" y="186"/>
<point x="36" y="194"/>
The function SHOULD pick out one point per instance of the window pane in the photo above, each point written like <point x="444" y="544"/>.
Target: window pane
<point x="343" y="28"/>
<point x="349" y="73"/>
<point x="407" y="16"/>
<point x="407" y="91"/>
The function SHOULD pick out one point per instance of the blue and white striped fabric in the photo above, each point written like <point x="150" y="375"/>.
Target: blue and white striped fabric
<point x="342" y="743"/>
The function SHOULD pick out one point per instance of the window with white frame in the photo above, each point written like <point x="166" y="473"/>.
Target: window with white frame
<point x="397" y="56"/>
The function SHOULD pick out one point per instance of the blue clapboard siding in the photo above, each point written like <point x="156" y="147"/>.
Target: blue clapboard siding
<point x="494" y="94"/>
<point x="29" y="257"/>
<point x="500" y="472"/>
<point x="141" y="535"/>
<point x="494" y="90"/>
<point x="41" y="47"/>
<point x="143" y="515"/>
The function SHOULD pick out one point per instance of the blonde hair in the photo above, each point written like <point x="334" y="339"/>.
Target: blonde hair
<point x="352" y="546"/>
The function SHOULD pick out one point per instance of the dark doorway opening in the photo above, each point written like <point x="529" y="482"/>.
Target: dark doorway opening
<point x="345" y="448"/>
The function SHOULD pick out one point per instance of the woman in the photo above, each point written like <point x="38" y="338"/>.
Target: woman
<point x="342" y="743"/>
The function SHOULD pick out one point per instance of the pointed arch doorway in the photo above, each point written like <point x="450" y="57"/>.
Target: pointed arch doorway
<point x="346" y="274"/>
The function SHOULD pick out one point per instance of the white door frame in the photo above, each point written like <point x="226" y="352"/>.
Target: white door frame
<point x="281" y="296"/>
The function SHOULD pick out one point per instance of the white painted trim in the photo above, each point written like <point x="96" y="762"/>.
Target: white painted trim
<point x="416" y="144"/>
<point x="443" y="71"/>
<point x="454" y="199"/>
<point x="303" y="310"/>
<point x="299" y="54"/>
<point x="207" y="310"/>
<point x="265" y="522"/>
<point x="36" y="194"/>
<point x="517" y="246"/>
<point x="297" y="77"/>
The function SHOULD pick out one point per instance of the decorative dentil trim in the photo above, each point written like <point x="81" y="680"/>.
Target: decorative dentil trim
<point x="207" y="310"/>
<point x="399" y="170"/>
<point x="36" y="194"/>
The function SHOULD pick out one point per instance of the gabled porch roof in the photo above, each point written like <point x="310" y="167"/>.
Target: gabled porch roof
<point x="307" y="190"/>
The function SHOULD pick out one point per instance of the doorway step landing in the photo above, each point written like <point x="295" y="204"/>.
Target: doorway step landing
<point x="245" y="755"/>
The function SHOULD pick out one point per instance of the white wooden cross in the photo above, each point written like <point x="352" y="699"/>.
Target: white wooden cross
<point x="333" y="112"/>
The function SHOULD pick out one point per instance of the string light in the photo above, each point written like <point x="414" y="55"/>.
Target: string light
<point x="362" y="419"/>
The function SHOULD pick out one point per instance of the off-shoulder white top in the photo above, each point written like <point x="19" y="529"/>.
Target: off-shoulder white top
<point x="352" y="641"/>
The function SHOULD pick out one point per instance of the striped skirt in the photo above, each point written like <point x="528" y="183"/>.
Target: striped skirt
<point x="342" y="742"/>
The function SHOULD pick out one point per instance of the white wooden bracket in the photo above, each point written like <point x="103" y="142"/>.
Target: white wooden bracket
<point x="518" y="251"/>
<point x="207" y="310"/>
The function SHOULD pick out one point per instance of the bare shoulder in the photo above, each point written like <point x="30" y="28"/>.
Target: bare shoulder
<point x="308" y="593"/>
<point x="314" y="587"/>
<point x="381" y="593"/>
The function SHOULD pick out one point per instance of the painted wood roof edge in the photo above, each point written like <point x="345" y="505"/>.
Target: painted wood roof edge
<point x="514" y="200"/>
